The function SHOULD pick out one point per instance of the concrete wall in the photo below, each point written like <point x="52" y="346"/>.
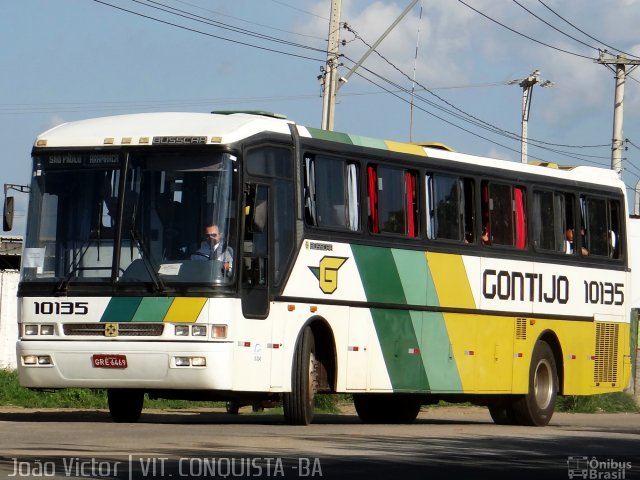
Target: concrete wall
<point x="8" y="318"/>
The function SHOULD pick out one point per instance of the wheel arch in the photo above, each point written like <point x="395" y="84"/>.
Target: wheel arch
<point x="326" y="353"/>
<point x="551" y="339"/>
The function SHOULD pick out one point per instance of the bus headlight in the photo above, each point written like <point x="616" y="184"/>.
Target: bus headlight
<point x="46" y="329"/>
<point x="199" y="361"/>
<point x="30" y="330"/>
<point x="183" y="361"/>
<point x="32" y="360"/>
<point x="199" y="330"/>
<point x="182" y="330"/>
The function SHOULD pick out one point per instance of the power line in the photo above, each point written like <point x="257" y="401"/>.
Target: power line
<point x="246" y="44"/>
<point x="522" y="34"/>
<point x="407" y="91"/>
<point x="215" y="12"/>
<point x="469" y="117"/>
<point x="198" y="18"/>
<point x="582" y="31"/>
<point x="631" y="143"/>
<point x="160" y="104"/>
<point x="299" y="9"/>
<point x="553" y="26"/>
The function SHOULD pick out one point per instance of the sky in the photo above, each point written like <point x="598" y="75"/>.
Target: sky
<point x="65" y="60"/>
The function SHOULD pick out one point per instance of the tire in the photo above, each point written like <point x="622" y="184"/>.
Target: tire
<point x="233" y="407"/>
<point x="536" y="407"/>
<point x="125" y="405"/>
<point x="298" y="405"/>
<point x="502" y="412"/>
<point x="386" y="407"/>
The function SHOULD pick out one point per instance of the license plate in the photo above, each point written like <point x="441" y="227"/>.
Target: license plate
<point x="109" y="361"/>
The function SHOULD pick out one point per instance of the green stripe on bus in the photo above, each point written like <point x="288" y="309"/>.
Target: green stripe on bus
<point x="152" y="309"/>
<point x="414" y="274"/>
<point x="400" y="349"/>
<point x="331" y="136"/>
<point x="368" y="142"/>
<point x="379" y="274"/>
<point x="437" y="357"/>
<point x="415" y="345"/>
<point x="121" y="309"/>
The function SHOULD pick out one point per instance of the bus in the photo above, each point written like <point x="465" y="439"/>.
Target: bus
<point x="401" y="274"/>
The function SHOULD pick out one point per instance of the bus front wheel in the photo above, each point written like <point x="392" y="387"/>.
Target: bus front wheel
<point x="125" y="405"/>
<point x="535" y="408"/>
<point x="298" y="405"/>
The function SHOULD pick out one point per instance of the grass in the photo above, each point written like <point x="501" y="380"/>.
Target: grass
<point x="606" y="403"/>
<point x="12" y="394"/>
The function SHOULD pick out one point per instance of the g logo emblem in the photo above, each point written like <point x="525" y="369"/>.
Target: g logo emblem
<point x="327" y="273"/>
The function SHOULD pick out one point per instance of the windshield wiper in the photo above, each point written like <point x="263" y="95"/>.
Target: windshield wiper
<point x="61" y="287"/>
<point x="146" y="261"/>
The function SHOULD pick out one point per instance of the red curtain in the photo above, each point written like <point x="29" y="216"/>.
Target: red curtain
<point x="521" y="230"/>
<point x="373" y="198"/>
<point x="410" y="181"/>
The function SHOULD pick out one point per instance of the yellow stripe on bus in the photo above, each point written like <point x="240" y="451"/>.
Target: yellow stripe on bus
<point x="405" y="148"/>
<point x="451" y="281"/>
<point x="185" y="309"/>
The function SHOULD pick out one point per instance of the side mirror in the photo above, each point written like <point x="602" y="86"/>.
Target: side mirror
<point x="7" y="214"/>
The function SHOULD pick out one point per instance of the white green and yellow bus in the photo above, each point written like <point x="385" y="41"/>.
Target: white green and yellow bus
<point x="400" y="273"/>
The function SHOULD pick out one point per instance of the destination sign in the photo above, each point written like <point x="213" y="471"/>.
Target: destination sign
<point x="82" y="160"/>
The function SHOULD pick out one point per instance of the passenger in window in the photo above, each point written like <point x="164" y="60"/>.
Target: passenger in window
<point x="613" y="243"/>
<point x="213" y="247"/>
<point x="583" y="250"/>
<point x="569" y="243"/>
<point x="485" y="236"/>
<point x="568" y="247"/>
<point x="468" y="237"/>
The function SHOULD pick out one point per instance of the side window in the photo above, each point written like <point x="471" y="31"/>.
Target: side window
<point x="601" y="219"/>
<point x="503" y="215"/>
<point x="553" y="218"/>
<point x="331" y="192"/>
<point x="450" y="208"/>
<point x="392" y="200"/>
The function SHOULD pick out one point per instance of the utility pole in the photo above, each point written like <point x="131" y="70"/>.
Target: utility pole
<point x="331" y="72"/>
<point x="404" y="13"/>
<point x="617" y="142"/>
<point x="527" y="92"/>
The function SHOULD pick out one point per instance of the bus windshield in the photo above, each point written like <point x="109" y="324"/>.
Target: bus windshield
<point x="122" y="219"/>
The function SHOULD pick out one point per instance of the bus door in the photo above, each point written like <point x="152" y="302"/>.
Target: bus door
<point x="255" y="252"/>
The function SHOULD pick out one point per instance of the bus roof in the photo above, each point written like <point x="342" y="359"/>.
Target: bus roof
<point x="229" y="127"/>
<point x="140" y="129"/>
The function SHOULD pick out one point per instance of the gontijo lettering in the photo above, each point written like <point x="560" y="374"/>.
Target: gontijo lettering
<point x="519" y="286"/>
<point x="537" y="287"/>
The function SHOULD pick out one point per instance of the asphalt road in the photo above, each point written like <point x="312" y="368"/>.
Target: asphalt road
<point x="452" y="443"/>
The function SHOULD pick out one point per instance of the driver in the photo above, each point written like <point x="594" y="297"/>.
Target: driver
<point x="213" y="247"/>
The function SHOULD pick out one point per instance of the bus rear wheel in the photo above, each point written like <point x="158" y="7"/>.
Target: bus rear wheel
<point x="536" y="407"/>
<point x="386" y="408"/>
<point x="502" y="412"/>
<point x="299" y="404"/>
<point x="125" y="405"/>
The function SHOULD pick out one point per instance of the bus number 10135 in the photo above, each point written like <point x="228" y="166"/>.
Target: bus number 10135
<point x="605" y="293"/>
<point x="61" y="308"/>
